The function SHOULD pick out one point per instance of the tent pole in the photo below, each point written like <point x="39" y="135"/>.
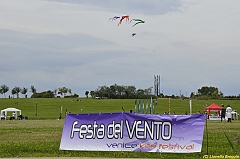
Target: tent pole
<point x="207" y="131"/>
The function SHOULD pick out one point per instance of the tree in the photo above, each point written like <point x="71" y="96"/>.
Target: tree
<point x="208" y="91"/>
<point x="131" y="90"/>
<point x="24" y="91"/>
<point x="148" y="91"/>
<point x="140" y="93"/>
<point x="69" y="91"/>
<point x="46" y="94"/>
<point x="192" y="95"/>
<point x="13" y="92"/>
<point x="161" y="95"/>
<point x="64" y="90"/>
<point x="55" y="92"/>
<point x="33" y="89"/>
<point x="215" y="94"/>
<point x="120" y="91"/>
<point x="17" y="90"/>
<point x="92" y="93"/>
<point x="221" y="94"/>
<point x="101" y="91"/>
<point x="113" y="91"/>
<point x="126" y="91"/>
<point x="86" y="93"/>
<point x="4" y="89"/>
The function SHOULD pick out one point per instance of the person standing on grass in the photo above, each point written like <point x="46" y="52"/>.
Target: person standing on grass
<point x="229" y="113"/>
<point x="223" y="112"/>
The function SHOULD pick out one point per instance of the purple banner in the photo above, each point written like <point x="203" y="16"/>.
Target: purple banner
<point x="133" y="132"/>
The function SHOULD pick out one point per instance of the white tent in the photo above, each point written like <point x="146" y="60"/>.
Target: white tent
<point x="14" y="111"/>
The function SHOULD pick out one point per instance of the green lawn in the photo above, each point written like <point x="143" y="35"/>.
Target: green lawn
<point x="40" y="135"/>
<point x="50" y="108"/>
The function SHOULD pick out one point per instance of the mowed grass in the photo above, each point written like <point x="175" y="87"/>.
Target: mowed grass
<point x="40" y="136"/>
<point x="50" y="108"/>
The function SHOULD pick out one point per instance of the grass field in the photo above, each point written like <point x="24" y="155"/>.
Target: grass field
<point x="40" y="135"/>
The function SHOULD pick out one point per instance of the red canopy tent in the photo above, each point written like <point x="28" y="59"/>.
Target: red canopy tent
<point x="213" y="107"/>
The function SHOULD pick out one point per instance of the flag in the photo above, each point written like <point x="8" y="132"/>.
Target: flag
<point x="151" y="106"/>
<point x="142" y="106"/>
<point x="135" y="106"/>
<point x="190" y="103"/>
<point x="147" y="107"/>
<point x="139" y="106"/>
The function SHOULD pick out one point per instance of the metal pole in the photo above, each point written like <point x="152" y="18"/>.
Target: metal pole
<point x="169" y="105"/>
<point x="36" y="109"/>
<point x="190" y="103"/>
<point x="207" y="131"/>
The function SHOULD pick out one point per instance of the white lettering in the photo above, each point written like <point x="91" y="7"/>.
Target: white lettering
<point x="142" y="130"/>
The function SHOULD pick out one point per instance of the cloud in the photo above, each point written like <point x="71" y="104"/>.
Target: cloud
<point x="50" y="44"/>
<point x="151" y="7"/>
<point x="51" y="41"/>
<point x="52" y="61"/>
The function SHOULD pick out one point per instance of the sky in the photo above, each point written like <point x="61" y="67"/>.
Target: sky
<point x="71" y="43"/>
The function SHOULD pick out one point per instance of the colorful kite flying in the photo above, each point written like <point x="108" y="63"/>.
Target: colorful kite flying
<point x="113" y="18"/>
<point x="133" y="34"/>
<point x="124" y="17"/>
<point x="137" y="21"/>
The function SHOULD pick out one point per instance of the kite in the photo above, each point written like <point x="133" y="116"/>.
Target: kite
<point x="113" y="18"/>
<point x="137" y="21"/>
<point x="123" y="17"/>
<point x="133" y="34"/>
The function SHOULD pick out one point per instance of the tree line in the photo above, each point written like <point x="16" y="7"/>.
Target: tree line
<point x="16" y="90"/>
<point x="63" y="91"/>
<point x="116" y="91"/>
<point x="120" y="92"/>
<point x="131" y="92"/>
<point x="211" y="93"/>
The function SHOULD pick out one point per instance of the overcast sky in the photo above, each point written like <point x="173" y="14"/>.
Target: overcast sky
<point x="72" y="43"/>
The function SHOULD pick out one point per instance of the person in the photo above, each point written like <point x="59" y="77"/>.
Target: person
<point x="229" y="113"/>
<point x="60" y="116"/>
<point x="3" y="117"/>
<point x="13" y="114"/>
<point x="123" y="109"/>
<point x="20" y="117"/>
<point x="223" y="112"/>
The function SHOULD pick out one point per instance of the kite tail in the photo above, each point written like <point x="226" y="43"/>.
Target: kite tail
<point x="136" y="23"/>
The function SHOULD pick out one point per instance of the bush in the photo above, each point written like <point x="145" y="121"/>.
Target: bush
<point x="47" y="94"/>
<point x="72" y="96"/>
